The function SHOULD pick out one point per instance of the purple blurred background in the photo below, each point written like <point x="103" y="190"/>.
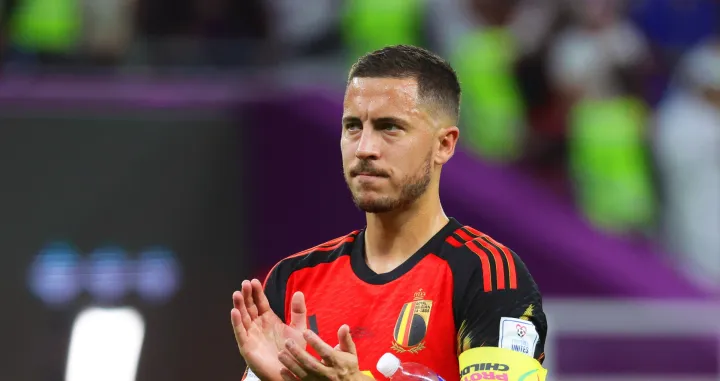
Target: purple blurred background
<point x="153" y="160"/>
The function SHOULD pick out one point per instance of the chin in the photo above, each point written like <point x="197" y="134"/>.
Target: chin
<point x="374" y="204"/>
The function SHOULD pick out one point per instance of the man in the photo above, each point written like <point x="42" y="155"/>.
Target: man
<point x="413" y="282"/>
<point x="687" y="153"/>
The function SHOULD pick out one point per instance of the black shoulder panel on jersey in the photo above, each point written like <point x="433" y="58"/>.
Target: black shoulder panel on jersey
<point x="490" y="282"/>
<point x="276" y="281"/>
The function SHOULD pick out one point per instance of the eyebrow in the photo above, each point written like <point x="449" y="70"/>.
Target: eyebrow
<point x="378" y="121"/>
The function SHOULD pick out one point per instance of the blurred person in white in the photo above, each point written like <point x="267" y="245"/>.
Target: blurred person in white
<point x="687" y="148"/>
<point x="594" y="66"/>
<point x="107" y="29"/>
<point x="305" y="27"/>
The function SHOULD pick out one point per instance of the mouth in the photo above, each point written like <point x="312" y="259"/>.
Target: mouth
<point x="368" y="175"/>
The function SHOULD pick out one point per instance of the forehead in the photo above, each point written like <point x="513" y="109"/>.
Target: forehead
<point x="373" y="96"/>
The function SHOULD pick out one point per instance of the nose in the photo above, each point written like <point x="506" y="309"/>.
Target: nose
<point x="369" y="145"/>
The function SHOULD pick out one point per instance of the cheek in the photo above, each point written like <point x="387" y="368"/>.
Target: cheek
<point x="347" y="155"/>
<point x="344" y="148"/>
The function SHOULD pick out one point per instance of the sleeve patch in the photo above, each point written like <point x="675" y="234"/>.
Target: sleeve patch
<point x="518" y="335"/>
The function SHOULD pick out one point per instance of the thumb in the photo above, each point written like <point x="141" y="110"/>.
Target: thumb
<point x="298" y="312"/>
<point x="345" y="340"/>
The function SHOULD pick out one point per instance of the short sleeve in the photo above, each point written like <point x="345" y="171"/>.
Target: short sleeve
<point x="275" y="286"/>
<point x="499" y="305"/>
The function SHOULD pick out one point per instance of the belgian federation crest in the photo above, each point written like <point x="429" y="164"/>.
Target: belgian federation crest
<point x="412" y="324"/>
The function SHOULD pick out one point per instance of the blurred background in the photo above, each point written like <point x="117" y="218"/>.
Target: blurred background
<point x="155" y="153"/>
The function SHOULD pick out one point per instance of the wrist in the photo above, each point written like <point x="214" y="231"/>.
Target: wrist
<point x="251" y="376"/>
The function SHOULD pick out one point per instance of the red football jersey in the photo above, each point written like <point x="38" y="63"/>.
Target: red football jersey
<point x="461" y="290"/>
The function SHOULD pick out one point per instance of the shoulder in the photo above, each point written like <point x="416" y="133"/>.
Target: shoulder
<point x="323" y="253"/>
<point x="474" y="256"/>
<point x="470" y="247"/>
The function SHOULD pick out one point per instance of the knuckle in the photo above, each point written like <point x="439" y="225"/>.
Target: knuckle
<point x="343" y="372"/>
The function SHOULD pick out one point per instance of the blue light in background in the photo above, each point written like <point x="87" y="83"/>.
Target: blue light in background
<point x="59" y="274"/>
<point x="106" y="274"/>
<point x="158" y="274"/>
<point x="53" y="275"/>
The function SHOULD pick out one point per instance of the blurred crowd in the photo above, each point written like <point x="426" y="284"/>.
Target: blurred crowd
<point x="613" y="103"/>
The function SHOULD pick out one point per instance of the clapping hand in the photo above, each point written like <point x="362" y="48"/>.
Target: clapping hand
<point x="261" y="334"/>
<point x="338" y="364"/>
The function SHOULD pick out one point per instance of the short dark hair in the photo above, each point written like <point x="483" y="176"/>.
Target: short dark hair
<point x="436" y="79"/>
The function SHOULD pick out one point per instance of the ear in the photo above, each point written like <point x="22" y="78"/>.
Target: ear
<point x="447" y="139"/>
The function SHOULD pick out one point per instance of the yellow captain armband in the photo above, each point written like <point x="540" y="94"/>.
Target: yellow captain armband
<point x="491" y="363"/>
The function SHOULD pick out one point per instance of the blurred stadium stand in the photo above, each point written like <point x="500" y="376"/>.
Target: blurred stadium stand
<point x="151" y="160"/>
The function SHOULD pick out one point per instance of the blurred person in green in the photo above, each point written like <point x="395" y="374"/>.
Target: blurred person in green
<point x="481" y="47"/>
<point x="687" y="149"/>
<point x="46" y="31"/>
<point x="593" y="65"/>
<point x="499" y="49"/>
<point x="484" y="59"/>
<point x="368" y="25"/>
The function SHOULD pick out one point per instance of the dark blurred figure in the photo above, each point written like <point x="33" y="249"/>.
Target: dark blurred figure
<point x="233" y="31"/>
<point x="7" y="7"/>
<point x="545" y="149"/>
<point x="202" y="32"/>
<point x="494" y="12"/>
<point x="164" y="31"/>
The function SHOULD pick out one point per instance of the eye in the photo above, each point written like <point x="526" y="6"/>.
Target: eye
<point x="353" y="126"/>
<point x="391" y="127"/>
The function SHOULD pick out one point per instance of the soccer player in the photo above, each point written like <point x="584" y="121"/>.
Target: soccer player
<point x="413" y="282"/>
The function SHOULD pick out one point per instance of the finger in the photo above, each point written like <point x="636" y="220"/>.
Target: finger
<point x="261" y="301"/>
<point x="237" y="299"/>
<point x="287" y="375"/>
<point x="309" y="363"/>
<point x="345" y="339"/>
<point x="241" y="335"/>
<point x="294" y="369"/>
<point x="322" y="348"/>
<point x="298" y="311"/>
<point x="249" y="301"/>
<point x="239" y="302"/>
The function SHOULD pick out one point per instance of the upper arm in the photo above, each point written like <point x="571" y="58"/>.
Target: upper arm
<point x="498" y="303"/>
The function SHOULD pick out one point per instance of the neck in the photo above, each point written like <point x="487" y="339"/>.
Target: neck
<point x="391" y="238"/>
